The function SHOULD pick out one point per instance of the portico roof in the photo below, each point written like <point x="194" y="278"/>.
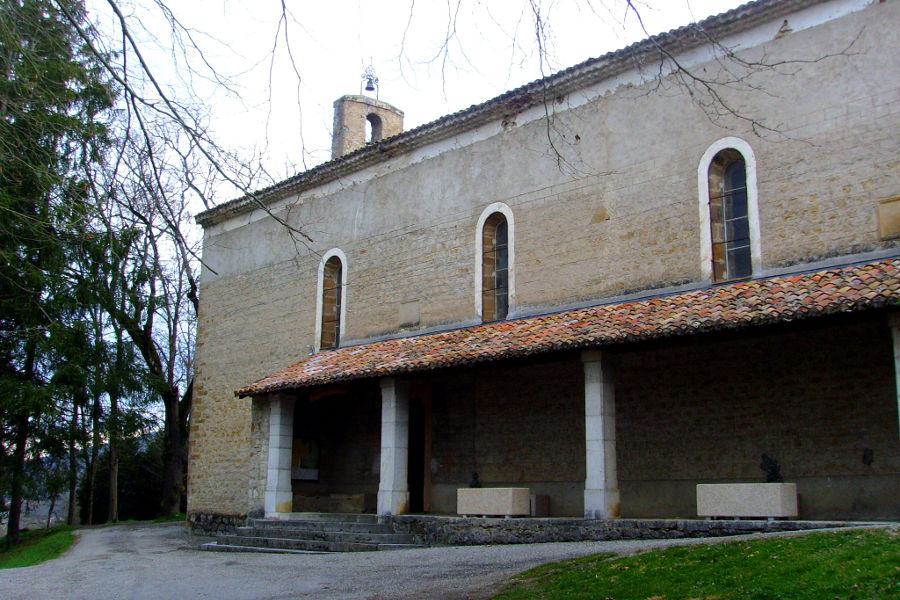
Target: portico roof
<point x="724" y="307"/>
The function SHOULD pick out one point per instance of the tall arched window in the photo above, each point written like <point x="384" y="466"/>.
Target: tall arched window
<point x="729" y="216"/>
<point x="495" y="268"/>
<point x="331" y="305"/>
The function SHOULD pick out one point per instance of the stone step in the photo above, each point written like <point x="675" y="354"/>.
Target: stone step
<point x="217" y="547"/>
<point x="317" y="516"/>
<point x="386" y="537"/>
<point x="295" y="525"/>
<point x="270" y="543"/>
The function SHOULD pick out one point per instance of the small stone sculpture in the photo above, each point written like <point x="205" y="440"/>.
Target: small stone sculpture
<point x="868" y="457"/>
<point x="772" y="468"/>
<point x="475" y="483"/>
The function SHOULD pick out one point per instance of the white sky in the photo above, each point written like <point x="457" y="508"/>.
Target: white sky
<point x="332" y="41"/>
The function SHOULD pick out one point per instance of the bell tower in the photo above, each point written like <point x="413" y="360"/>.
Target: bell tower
<point x="360" y="120"/>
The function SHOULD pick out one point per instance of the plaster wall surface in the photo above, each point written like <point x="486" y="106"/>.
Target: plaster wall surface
<point x="616" y="212"/>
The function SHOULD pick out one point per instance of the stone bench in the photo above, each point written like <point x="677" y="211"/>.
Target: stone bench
<point x="749" y="500"/>
<point x="494" y="502"/>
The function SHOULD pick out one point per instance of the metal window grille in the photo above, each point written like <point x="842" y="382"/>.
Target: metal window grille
<point x="495" y="269"/>
<point x="729" y="217"/>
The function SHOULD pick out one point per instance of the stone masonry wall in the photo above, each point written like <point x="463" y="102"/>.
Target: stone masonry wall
<point x="623" y="216"/>
<point x="440" y="531"/>
<point x="513" y="425"/>
<point x="815" y="400"/>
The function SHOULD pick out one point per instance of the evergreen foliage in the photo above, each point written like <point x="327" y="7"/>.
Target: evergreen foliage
<point x="52" y="102"/>
<point x="140" y="481"/>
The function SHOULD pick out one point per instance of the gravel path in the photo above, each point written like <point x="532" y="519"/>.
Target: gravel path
<point x="160" y="562"/>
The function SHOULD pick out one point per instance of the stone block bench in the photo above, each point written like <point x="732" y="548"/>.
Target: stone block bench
<point x="748" y="500"/>
<point x="494" y="502"/>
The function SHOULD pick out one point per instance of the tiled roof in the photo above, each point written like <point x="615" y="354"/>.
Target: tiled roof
<point x="514" y="101"/>
<point x="719" y="308"/>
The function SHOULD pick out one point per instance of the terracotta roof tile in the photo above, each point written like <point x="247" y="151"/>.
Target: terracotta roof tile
<point x="720" y="308"/>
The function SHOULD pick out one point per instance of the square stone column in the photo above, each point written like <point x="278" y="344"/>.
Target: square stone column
<point x="393" y="490"/>
<point x="894" y="324"/>
<point x="279" y="496"/>
<point x="601" y="486"/>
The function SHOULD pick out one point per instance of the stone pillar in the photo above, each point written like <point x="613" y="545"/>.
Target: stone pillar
<point x="393" y="491"/>
<point x="601" y="486"/>
<point x="894" y="324"/>
<point x="279" y="497"/>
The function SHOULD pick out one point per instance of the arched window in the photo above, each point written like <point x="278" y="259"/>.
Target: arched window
<point x="373" y="128"/>
<point x="331" y="303"/>
<point x="728" y="211"/>
<point x="728" y="218"/>
<point x="495" y="268"/>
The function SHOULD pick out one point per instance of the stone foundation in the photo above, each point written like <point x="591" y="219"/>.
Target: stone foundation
<point x="452" y="531"/>
<point x="212" y="523"/>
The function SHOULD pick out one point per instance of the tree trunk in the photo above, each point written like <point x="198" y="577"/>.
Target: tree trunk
<point x="50" y="512"/>
<point x="16" y="491"/>
<point x="17" y="487"/>
<point x="95" y="450"/>
<point x="72" y="518"/>
<point x="115" y="431"/>
<point x="113" y="515"/>
<point x="173" y="470"/>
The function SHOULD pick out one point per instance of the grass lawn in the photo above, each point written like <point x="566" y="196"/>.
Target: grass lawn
<point x="171" y="519"/>
<point x="37" y="546"/>
<point x="845" y="565"/>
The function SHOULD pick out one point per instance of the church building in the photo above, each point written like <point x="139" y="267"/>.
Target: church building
<point x="609" y="286"/>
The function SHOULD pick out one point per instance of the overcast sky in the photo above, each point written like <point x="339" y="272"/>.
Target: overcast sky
<point x="277" y="114"/>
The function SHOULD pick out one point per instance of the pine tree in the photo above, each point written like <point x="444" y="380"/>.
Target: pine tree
<point x="52" y="100"/>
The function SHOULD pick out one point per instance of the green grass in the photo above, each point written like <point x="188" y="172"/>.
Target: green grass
<point x="36" y="547"/>
<point x="45" y="544"/>
<point x="171" y="519"/>
<point x="846" y="565"/>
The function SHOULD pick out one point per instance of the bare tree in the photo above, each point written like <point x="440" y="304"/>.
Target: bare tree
<point x="165" y="157"/>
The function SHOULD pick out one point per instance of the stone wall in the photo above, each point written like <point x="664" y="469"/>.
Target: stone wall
<point x="621" y="216"/>
<point x="515" y="425"/>
<point x="351" y="114"/>
<point x="441" y="531"/>
<point x="691" y="411"/>
<point x="200" y="523"/>
<point x="815" y="399"/>
<point x="228" y="441"/>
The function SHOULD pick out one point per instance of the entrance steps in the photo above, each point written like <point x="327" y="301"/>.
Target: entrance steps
<point x="306" y="533"/>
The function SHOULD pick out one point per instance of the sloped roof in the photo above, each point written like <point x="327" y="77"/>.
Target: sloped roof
<point x="718" y="308"/>
<point x="514" y="101"/>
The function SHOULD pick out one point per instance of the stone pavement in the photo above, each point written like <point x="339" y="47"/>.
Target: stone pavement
<point x="160" y="562"/>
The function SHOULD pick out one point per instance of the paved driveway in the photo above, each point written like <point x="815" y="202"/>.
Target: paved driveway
<point x="159" y="562"/>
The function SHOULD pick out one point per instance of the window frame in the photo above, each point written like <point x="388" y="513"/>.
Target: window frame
<point x="487" y="213"/>
<point x="320" y="291"/>
<point x="706" y="245"/>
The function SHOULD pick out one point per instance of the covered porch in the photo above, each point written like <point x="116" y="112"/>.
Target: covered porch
<point x="609" y="411"/>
